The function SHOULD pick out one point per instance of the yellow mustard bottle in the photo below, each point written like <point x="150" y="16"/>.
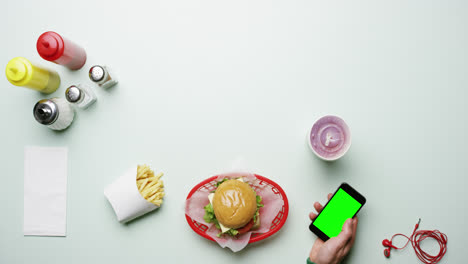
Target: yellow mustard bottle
<point x="21" y="72"/>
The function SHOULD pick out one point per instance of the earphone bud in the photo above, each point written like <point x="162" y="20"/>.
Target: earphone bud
<point x="387" y="243"/>
<point x="386" y="252"/>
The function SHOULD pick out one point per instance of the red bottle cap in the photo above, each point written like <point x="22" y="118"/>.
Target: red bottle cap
<point x="50" y="46"/>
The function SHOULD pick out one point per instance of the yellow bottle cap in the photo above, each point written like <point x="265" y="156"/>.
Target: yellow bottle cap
<point x="18" y="70"/>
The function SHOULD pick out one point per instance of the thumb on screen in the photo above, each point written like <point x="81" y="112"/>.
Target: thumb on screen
<point x="346" y="233"/>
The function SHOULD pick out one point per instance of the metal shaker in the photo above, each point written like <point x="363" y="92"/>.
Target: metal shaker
<point x="55" y="113"/>
<point x="82" y="96"/>
<point x="102" y="76"/>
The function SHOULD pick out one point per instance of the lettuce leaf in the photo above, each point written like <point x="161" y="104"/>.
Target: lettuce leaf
<point x="259" y="205"/>
<point x="232" y="232"/>
<point x="220" y="182"/>
<point x="259" y="201"/>
<point x="209" y="216"/>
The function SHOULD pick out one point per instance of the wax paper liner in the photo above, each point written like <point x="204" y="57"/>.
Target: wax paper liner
<point x="125" y="198"/>
<point x="194" y="208"/>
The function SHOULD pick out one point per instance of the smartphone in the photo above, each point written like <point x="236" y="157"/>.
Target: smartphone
<point x="345" y="203"/>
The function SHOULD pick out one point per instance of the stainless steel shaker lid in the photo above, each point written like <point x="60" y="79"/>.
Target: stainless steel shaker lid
<point x="45" y="112"/>
<point x="97" y="73"/>
<point x="73" y="94"/>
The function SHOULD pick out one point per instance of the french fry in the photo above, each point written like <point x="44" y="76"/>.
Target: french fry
<point x="142" y="172"/>
<point x="159" y="195"/>
<point x="159" y="175"/>
<point x="153" y="191"/>
<point x="152" y="198"/>
<point x="145" y="192"/>
<point x="150" y="186"/>
<point x="143" y="184"/>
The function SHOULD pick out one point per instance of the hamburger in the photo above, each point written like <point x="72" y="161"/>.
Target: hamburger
<point x="233" y="208"/>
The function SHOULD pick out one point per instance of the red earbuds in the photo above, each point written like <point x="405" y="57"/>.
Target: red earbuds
<point x="416" y="238"/>
<point x="387" y="243"/>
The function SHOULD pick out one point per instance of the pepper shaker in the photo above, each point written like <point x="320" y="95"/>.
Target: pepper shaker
<point x="80" y="95"/>
<point x="102" y="76"/>
<point x="55" y="113"/>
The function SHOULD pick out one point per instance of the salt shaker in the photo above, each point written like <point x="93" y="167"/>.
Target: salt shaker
<point x="102" y="76"/>
<point x="82" y="96"/>
<point x="55" y="113"/>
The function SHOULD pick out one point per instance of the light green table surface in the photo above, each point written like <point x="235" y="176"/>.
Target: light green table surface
<point x="205" y="82"/>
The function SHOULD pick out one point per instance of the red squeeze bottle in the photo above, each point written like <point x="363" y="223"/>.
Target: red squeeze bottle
<point x="55" y="48"/>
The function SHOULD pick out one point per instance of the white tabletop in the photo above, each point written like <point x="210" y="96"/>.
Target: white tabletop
<point x="205" y="82"/>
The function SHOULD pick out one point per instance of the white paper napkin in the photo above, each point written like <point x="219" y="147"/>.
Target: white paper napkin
<point x="45" y="191"/>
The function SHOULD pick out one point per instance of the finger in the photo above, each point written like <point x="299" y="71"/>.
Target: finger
<point x="346" y="234"/>
<point x="318" y="207"/>
<point x="312" y="216"/>
<point x="353" y="238"/>
<point x="329" y="196"/>
<point x="355" y="223"/>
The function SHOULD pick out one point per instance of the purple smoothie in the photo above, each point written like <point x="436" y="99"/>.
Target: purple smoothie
<point x="330" y="138"/>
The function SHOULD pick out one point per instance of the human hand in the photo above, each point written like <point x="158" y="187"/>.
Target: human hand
<point x="336" y="248"/>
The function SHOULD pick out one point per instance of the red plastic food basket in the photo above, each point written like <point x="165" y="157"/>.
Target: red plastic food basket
<point x="276" y="225"/>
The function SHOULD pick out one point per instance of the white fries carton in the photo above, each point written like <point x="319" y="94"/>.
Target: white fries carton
<point x="125" y="198"/>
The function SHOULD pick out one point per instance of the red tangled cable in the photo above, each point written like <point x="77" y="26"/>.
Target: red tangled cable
<point x="416" y="238"/>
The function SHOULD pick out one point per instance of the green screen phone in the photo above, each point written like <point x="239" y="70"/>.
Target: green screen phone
<point x="345" y="203"/>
